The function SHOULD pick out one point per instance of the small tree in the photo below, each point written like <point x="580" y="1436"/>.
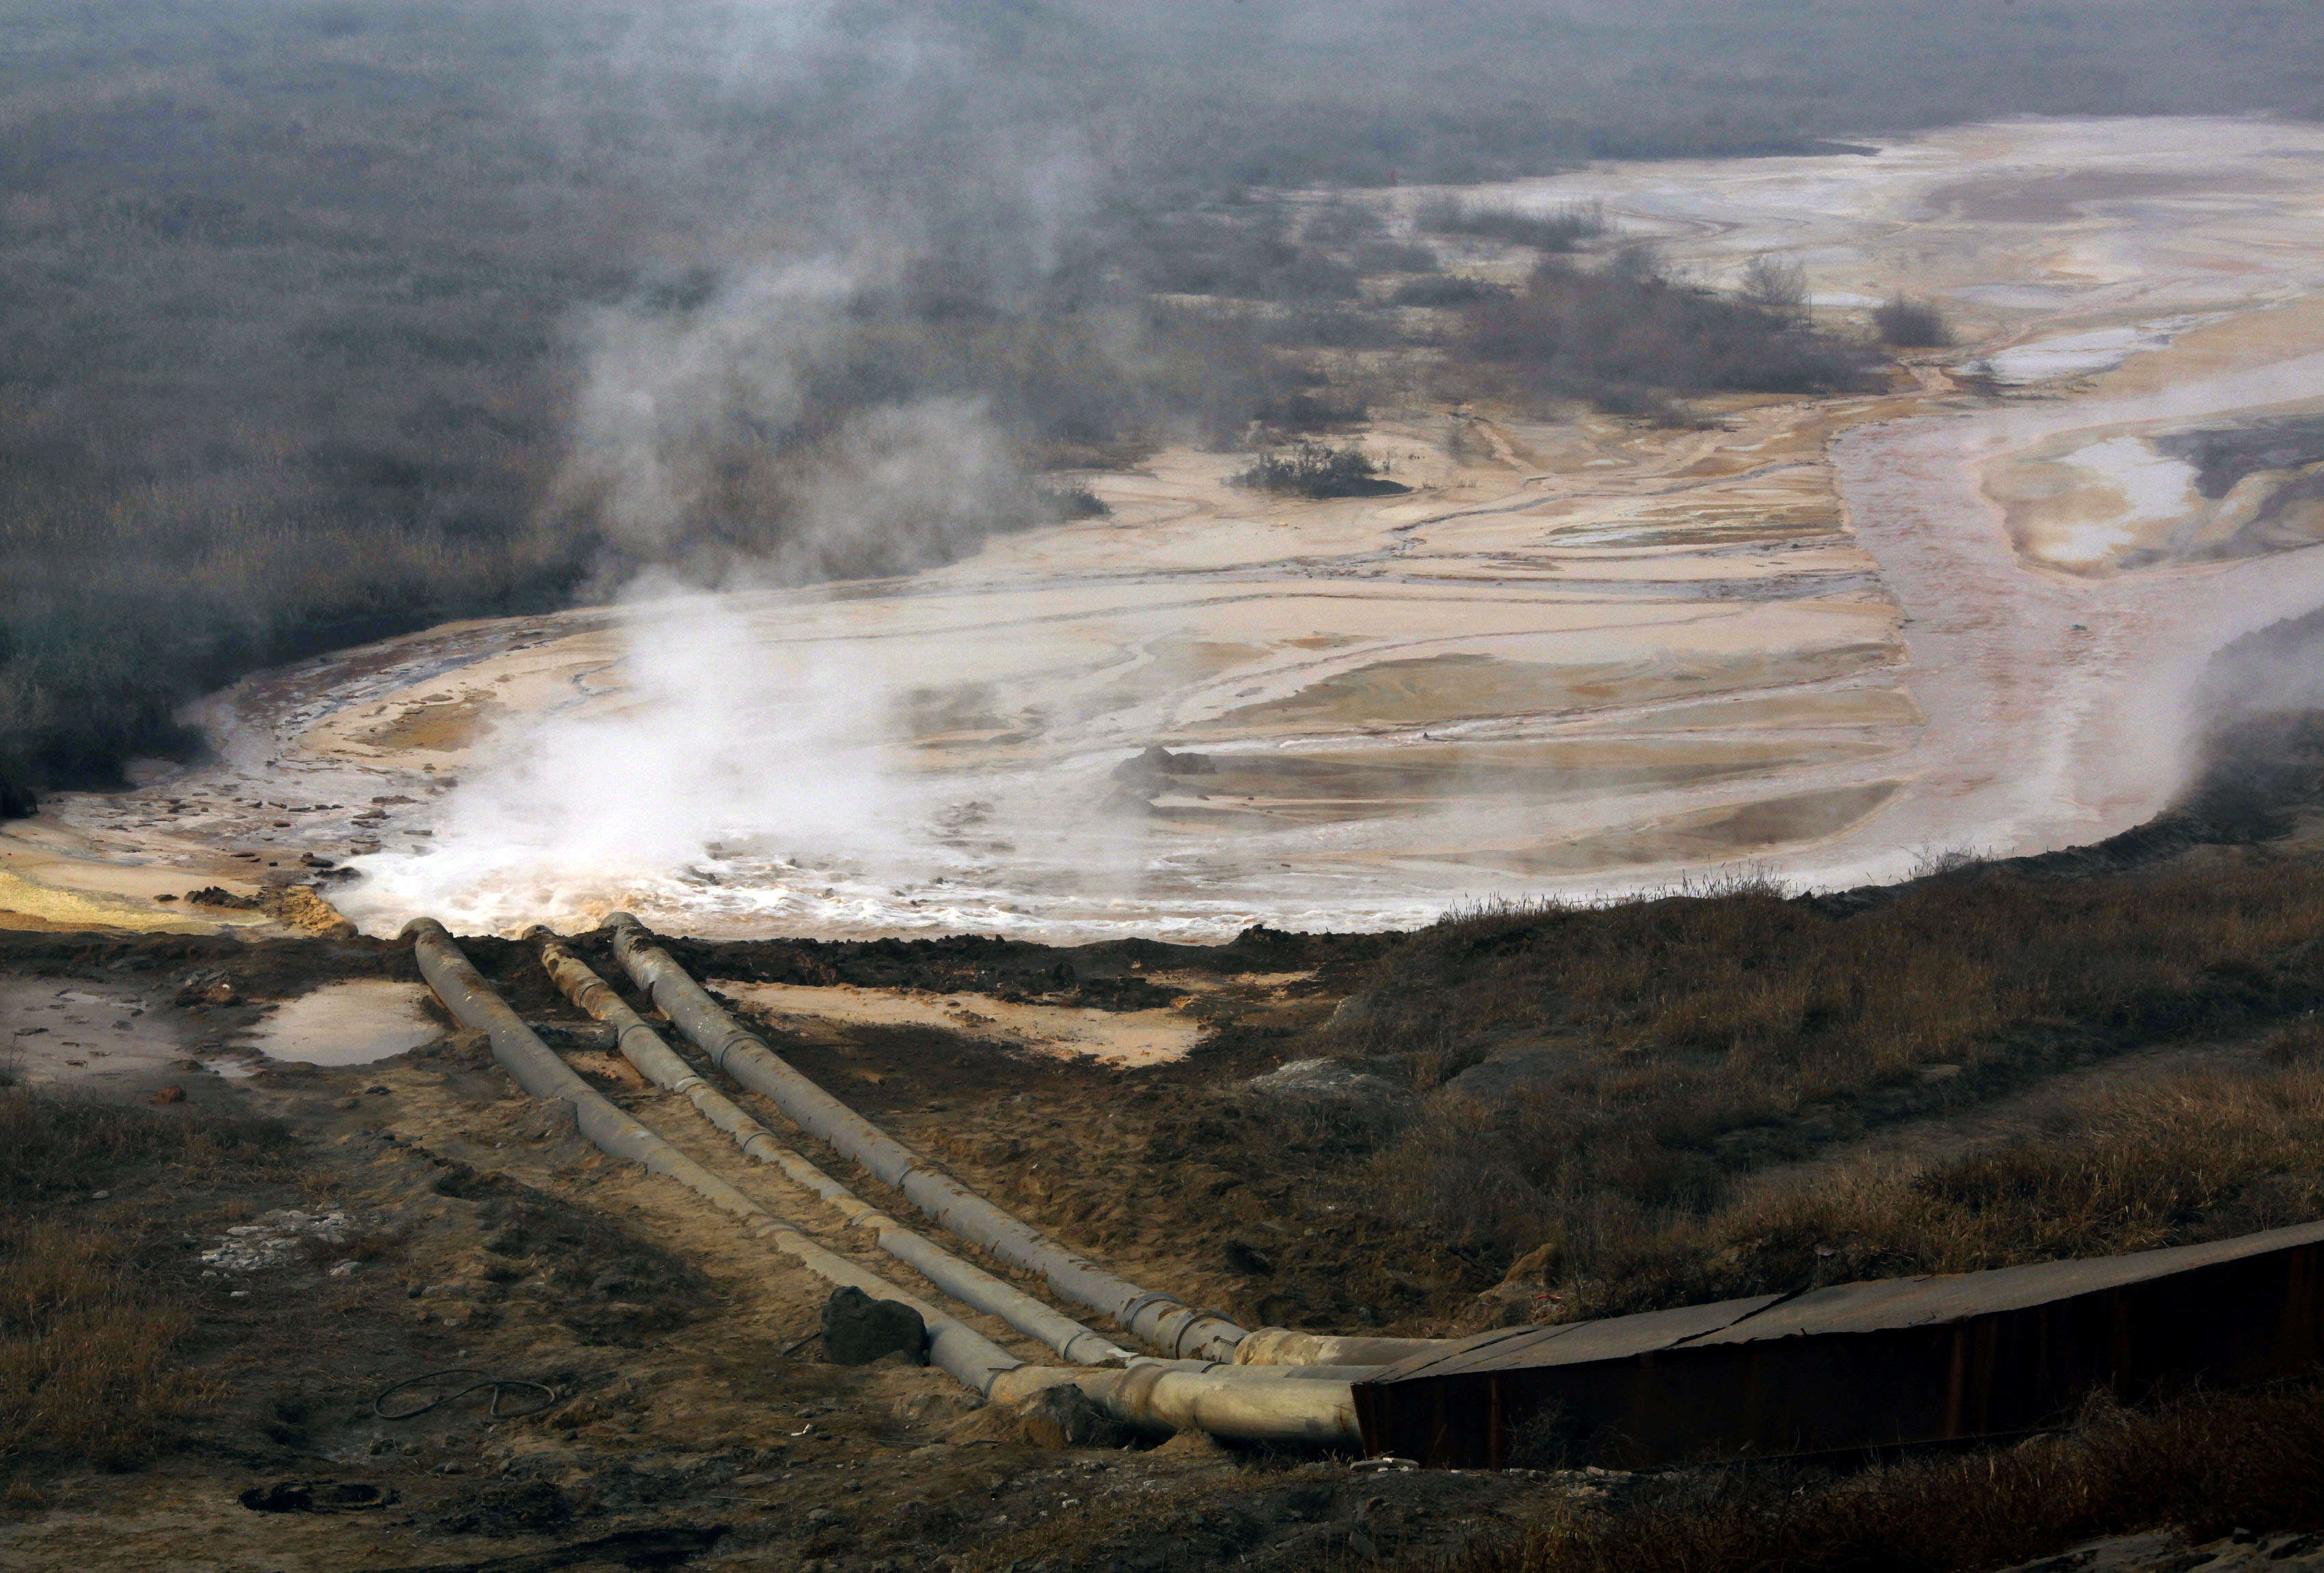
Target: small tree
<point x="1777" y="285"/>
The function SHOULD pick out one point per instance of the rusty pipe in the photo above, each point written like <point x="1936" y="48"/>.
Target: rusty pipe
<point x="1162" y="1320"/>
<point x="962" y="1281"/>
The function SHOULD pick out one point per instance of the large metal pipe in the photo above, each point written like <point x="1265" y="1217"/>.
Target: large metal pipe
<point x="959" y="1349"/>
<point x="962" y="1281"/>
<point x="1152" y="1396"/>
<point x="1162" y="1320"/>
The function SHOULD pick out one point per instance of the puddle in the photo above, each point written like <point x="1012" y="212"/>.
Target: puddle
<point x="348" y="1024"/>
<point x="84" y="1037"/>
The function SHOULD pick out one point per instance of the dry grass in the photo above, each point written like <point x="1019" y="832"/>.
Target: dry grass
<point x="89" y="1330"/>
<point x="2208" y="1464"/>
<point x="86" y="1366"/>
<point x="2199" y="1156"/>
<point x="1693" y="1038"/>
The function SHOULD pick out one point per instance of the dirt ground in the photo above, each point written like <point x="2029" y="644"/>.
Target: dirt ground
<point x="430" y="1218"/>
<point x="692" y="1422"/>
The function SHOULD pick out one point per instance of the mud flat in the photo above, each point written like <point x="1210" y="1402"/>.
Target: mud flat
<point x="1824" y="637"/>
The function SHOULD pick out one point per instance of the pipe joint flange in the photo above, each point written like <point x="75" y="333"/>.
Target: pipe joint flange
<point x="1196" y="1317"/>
<point x="1129" y="1314"/>
<point x="1136" y="1392"/>
<point x="1106" y="1352"/>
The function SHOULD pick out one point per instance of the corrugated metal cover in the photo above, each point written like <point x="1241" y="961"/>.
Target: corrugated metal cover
<point x="1573" y="1343"/>
<point x="1913" y="1303"/>
<point x="1876" y="1306"/>
<point x="1879" y="1365"/>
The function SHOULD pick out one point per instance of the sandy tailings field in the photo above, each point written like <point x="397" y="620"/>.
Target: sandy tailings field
<point x="1828" y="637"/>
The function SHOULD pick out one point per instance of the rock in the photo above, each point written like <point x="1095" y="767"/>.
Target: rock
<point x="211" y="896"/>
<point x="1244" y="1257"/>
<point x="317" y="1496"/>
<point x="169" y="1095"/>
<point x="528" y="1507"/>
<point x="1507" y="1071"/>
<point x="1063" y="1416"/>
<point x="858" y="1329"/>
<point x="1194" y="1445"/>
<point x="1524" y="1291"/>
<point x="552" y="1121"/>
<point x="1151" y="768"/>
<point x="298" y="907"/>
<point x="1358" y="1010"/>
<point x="1325" y="1082"/>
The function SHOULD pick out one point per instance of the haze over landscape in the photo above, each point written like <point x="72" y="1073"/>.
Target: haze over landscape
<point x="1531" y="663"/>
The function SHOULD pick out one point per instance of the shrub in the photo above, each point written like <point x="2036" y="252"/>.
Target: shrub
<point x="1910" y="324"/>
<point x="1313" y="470"/>
<point x="1623" y="334"/>
<point x="1777" y="285"/>
<point x="1561" y="228"/>
<point x="1446" y="289"/>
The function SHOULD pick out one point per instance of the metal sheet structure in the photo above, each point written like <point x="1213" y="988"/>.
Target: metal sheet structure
<point x="1884" y="1363"/>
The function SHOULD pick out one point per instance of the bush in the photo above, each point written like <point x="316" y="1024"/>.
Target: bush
<point x="1446" y="289"/>
<point x="1561" y="228"/>
<point x="1627" y="336"/>
<point x="1910" y="324"/>
<point x="1313" y="470"/>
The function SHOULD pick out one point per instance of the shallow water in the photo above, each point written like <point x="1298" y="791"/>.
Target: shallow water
<point x="348" y="1024"/>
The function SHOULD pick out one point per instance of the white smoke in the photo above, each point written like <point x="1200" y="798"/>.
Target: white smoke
<point x="703" y="742"/>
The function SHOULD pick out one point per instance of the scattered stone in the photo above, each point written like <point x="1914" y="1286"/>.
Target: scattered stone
<point x="858" y="1329"/>
<point x="210" y="988"/>
<point x="347" y="1269"/>
<point x="274" y="1240"/>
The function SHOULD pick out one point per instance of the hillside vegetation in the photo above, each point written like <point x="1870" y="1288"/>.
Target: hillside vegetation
<point x="327" y="319"/>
